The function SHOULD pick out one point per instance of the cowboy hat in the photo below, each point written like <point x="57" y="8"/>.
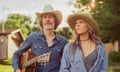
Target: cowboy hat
<point x="87" y="18"/>
<point x="48" y="9"/>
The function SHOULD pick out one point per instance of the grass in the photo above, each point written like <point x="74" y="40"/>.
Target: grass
<point x="5" y="65"/>
<point x="114" y="70"/>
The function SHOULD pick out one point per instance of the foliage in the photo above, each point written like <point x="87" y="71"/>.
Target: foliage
<point x="114" y="58"/>
<point x="84" y="2"/>
<point x="19" y="21"/>
<point x="107" y="14"/>
<point x="66" y="32"/>
<point x="36" y="26"/>
<point x="113" y="70"/>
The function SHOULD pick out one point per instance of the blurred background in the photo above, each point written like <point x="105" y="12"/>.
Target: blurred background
<point x="18" y="20"/>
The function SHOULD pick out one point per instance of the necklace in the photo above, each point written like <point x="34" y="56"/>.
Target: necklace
<point x="86" y="48"/>
<point x="85" y="39"/>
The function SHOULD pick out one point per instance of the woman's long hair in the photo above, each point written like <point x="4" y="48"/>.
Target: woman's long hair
<point x="76" y="38"/>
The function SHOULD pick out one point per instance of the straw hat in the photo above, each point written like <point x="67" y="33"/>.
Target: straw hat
<point x="87" y="18"/>
<point x="48" y="9"/>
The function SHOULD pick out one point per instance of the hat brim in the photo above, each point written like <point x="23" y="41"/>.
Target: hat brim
<point x="57" y="13"/>
<point x="72" y="18"/>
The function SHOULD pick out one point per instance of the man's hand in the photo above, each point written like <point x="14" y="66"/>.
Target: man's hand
<point x="18" y="70"/>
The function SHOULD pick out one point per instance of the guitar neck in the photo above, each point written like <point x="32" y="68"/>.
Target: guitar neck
<point x="29" y="62"/>
<point x="44" y="57"/>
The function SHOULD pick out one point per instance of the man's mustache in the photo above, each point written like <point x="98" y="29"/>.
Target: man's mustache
<point x="48" y="22"/>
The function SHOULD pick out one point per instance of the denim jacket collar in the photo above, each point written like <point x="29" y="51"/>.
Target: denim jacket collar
<point x="99" y="45"/>
<point x="78" y="53"/>
<point x="56" y="35"/>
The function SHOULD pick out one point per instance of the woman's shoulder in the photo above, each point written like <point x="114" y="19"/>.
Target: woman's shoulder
<point x="68" y="47"/>
<point x="101" y="48"/>
<point x="100" y="45"/>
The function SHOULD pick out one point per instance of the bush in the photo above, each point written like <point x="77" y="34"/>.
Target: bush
<point x="114" y="58"/>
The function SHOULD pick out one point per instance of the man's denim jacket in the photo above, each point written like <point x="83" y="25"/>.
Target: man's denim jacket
<point x="37" y="42"/>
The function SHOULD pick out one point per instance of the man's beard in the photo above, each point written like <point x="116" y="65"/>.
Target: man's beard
<point x="49" y="27"/>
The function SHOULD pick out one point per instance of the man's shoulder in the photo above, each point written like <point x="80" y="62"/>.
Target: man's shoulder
<point x="60" y="37"/>
<point x="35" y="34"/>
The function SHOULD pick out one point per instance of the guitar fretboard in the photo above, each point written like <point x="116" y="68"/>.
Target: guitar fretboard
<point x="33" y="60"/>
<point x="44" y="58"/>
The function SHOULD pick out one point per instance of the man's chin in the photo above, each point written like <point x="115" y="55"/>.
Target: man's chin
<point x="49" y="28"/>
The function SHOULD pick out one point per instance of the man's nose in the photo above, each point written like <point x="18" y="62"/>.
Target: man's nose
<point x="47" y="18"/>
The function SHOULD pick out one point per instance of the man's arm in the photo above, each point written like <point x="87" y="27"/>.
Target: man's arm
<point x="24" y="46"/>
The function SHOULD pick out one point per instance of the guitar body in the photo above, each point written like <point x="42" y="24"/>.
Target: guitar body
<point x="28" y="61"/>
<point x="30" y="68"/>
<point x="25" y="57"/>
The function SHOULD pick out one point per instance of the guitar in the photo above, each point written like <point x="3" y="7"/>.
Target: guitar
<point x="42" y="59"/>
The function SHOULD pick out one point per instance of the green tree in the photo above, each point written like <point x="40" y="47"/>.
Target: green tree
<point x="36" y="26"/>
<point x="16" y="20"/>
<point x="107" y="14"/>
<point x="66" y="32"/>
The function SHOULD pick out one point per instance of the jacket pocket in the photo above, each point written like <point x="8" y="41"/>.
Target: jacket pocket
<point x="39" y="49"/>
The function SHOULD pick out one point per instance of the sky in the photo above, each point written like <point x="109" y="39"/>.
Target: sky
<point x="30" y="7"/>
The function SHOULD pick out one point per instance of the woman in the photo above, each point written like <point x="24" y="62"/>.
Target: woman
<point x="86" y="53"/>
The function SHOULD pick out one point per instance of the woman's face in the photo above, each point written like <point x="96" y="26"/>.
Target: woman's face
<point x="81" y="27"/>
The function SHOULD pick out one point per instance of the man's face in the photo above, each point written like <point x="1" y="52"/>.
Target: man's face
<point x="48" y="21"/>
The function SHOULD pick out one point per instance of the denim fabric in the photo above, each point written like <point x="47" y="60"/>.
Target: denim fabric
<point x="37" y="42"/>
<point x="76" y="64"/>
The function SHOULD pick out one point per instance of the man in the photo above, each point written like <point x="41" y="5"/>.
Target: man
<point x="45" y="41"/>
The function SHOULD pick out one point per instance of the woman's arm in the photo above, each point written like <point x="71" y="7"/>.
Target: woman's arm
<point x="105" y="62"/>
<point x="65" y="62"/>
